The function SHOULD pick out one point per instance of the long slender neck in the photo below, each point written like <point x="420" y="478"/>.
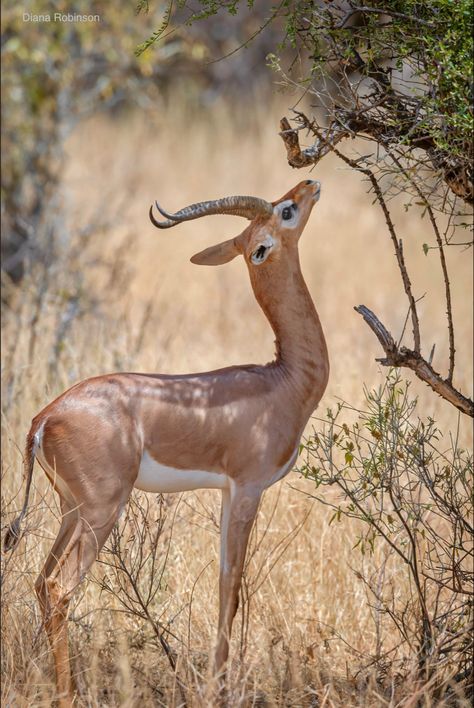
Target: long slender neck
<point x="300" y="345"/>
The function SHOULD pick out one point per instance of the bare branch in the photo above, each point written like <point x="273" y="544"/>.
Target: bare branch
<point x="444" y="267"/>
<point x="413" y="360"/>
<point x="383" y="11"/>
<point x="349" y="123"/>
<point x="309" y="156"/>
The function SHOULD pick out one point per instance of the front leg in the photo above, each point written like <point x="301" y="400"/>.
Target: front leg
<point x="239" y="508"/>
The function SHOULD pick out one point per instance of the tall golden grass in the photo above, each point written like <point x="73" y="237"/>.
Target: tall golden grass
<point x="124" y="296"/>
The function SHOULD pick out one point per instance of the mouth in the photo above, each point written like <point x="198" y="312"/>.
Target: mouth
<point x="317" y="191"/>
<point x="316" y="185"/>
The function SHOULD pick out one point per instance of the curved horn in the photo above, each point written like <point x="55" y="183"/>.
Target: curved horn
<point x="161" y="224"/>
<point x="247" y="207"/>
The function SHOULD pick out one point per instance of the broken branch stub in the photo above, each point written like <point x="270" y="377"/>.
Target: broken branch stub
<point x="395" y="356"/>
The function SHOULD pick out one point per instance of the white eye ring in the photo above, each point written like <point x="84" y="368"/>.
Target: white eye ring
<point x="288" y="213"/>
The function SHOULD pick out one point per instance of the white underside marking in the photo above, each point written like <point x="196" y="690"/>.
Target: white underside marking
<point x="158" y="478"/>
<point x="38" y="438"/>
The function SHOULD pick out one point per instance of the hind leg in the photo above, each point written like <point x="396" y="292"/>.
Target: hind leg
<point x="83" y="532"/>
<point x="54" y="612"/>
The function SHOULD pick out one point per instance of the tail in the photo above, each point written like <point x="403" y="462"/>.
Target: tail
<point x="13" y="534"/>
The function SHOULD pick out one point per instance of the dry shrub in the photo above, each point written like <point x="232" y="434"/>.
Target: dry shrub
<point x="411" y="490"/>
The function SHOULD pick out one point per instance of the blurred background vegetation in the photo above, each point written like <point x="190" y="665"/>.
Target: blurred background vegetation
<point x="57" y="74"/>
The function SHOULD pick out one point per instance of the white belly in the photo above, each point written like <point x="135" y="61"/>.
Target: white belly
<point x="158" y="478"/>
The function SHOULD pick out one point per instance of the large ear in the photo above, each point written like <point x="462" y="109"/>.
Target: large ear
<point x="217" y="255"/>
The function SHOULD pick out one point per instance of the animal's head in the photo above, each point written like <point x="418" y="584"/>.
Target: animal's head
<point x="273" y="233"/>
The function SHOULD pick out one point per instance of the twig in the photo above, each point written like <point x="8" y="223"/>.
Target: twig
<point x="444" y="268"/>
<point x="383" y="11"/>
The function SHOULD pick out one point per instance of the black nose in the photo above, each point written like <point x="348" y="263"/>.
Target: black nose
<point x="309" y="181"/>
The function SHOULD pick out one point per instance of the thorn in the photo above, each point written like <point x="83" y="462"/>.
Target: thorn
<point x="432" y="354"/>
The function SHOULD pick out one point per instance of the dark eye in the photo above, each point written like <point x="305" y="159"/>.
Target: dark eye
<point x="287" y="213"/>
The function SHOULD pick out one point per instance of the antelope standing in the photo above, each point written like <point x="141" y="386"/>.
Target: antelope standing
<point x="235" y="429"/>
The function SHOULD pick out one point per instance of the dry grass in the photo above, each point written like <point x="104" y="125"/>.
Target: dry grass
<point x="309" y="631"/>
